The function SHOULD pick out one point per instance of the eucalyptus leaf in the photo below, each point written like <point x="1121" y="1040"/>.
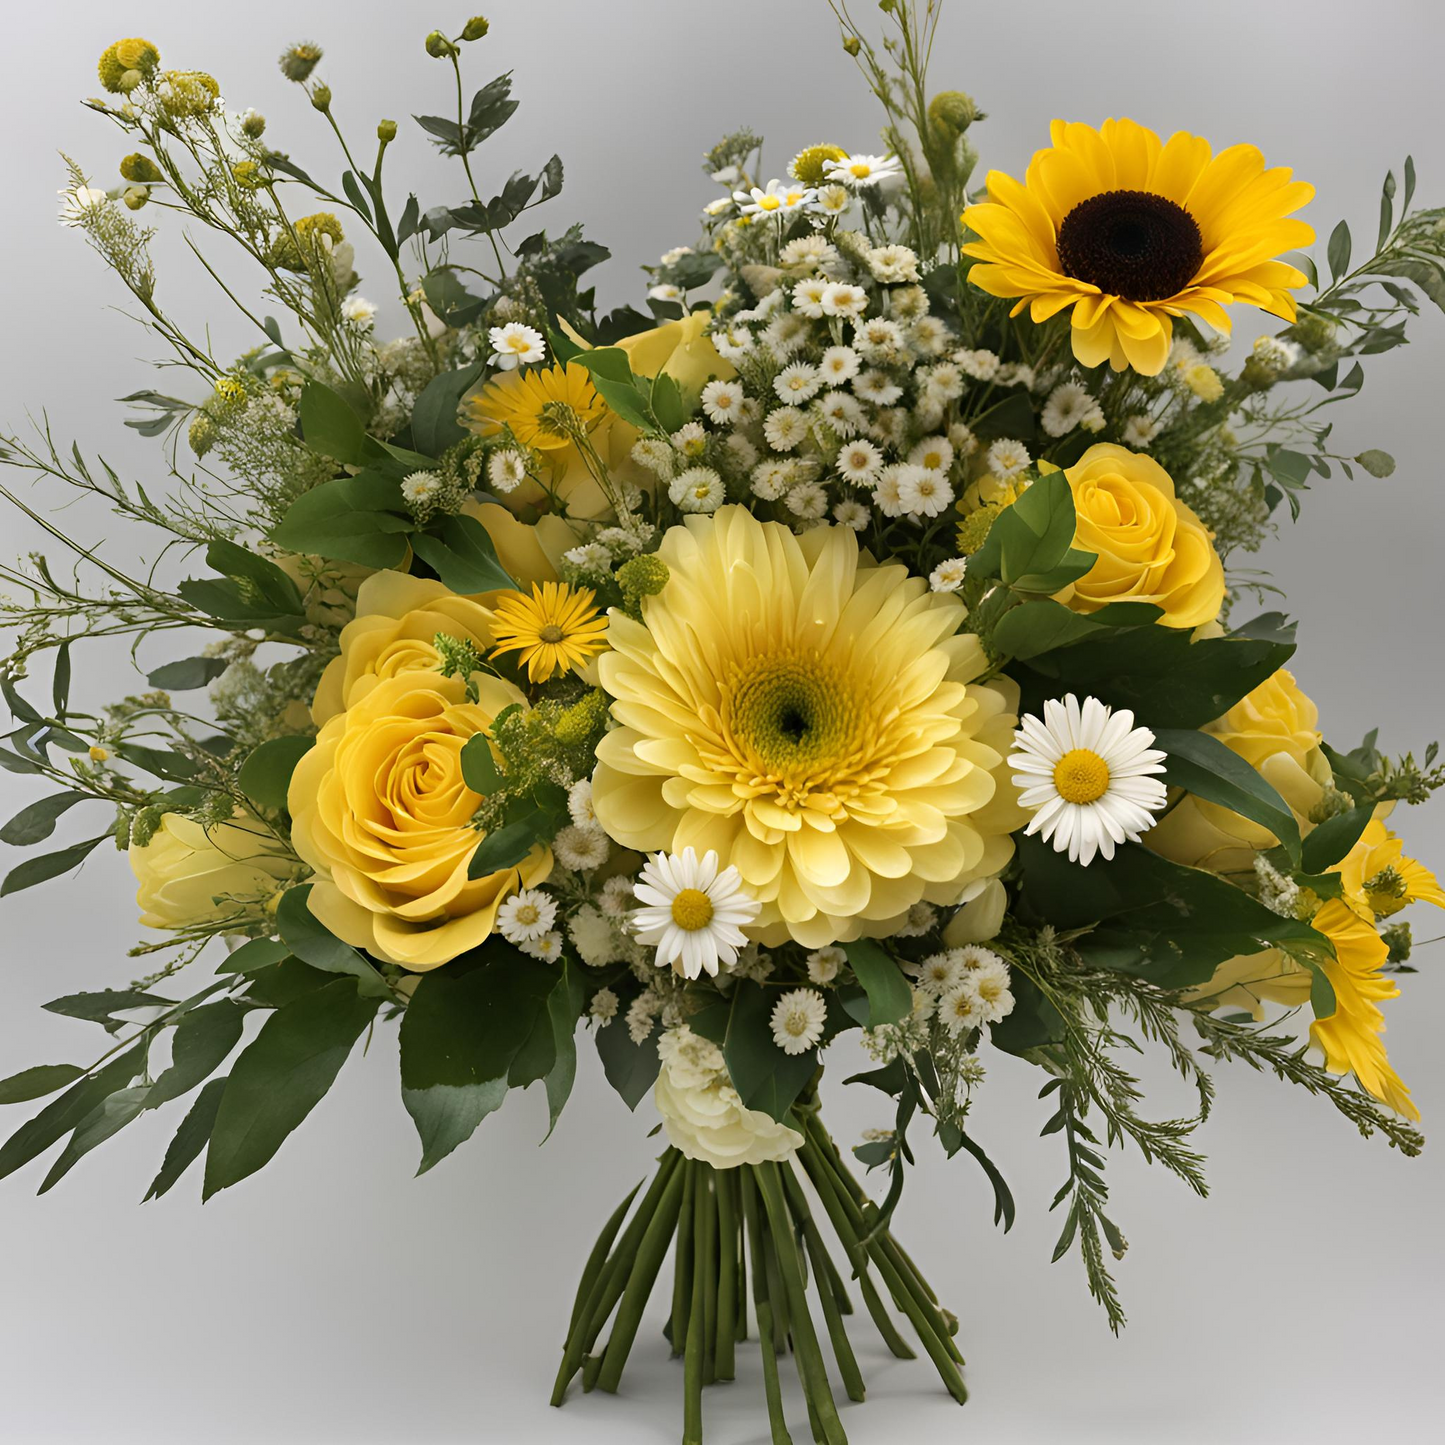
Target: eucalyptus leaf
<point x="37" y="1082"/>
<point x="36" y="821"/>
<point x="192" y="1137"/>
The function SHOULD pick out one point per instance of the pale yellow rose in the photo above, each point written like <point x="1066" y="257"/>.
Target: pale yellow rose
<point x="981" y="916"/>
<point x="704" y="1119"/>
<point x="682" y="349"/>
<point x="1275" y="730"/>
<point x="192" y="873"/>
<point x="528" y="551"/>
<point x="1150" y="547"/>
<point x="380" y="810"/>
<point x="397" y="618"/>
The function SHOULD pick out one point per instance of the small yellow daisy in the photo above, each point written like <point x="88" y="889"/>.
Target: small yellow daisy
<point x="556" y="629"/>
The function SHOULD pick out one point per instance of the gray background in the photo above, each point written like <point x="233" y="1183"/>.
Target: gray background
<point x="333" y="1298"/>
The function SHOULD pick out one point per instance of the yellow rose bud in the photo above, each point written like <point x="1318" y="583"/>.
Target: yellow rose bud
<point x="192" y="873"/>
<point x="390" y="840"/>
<point x="1150" y="547"/>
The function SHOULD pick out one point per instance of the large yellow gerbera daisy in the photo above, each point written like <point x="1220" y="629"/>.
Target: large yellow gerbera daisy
<point x="1131" y="231"/>
<point x="808" y="715"/>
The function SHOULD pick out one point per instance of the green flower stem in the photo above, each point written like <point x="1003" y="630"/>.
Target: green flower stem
<point x="682" y="1262"/>
<point x="824" y="1274"/>
<point x="724" y="1182"/>
<point x="762" y="1308"/>
<point x="610" y="1282"/>
<point x="741" y="1333"/>
<point x="596" y="1260"/>
<point x="711" y="1246"/>
<point x="805" y="1340"/>
<point x="837" y="1215"/>
<point x="695" y="1351"/>
<point x="643" y="1275"/>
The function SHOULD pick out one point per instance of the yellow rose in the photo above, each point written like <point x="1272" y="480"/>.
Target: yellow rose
<point x="1274" y="729"/>
<point x="682" y="349"/>
<point x="380" y="810"/>
<point x="190" y="873"/>
<point x="1150" y="546"/>
<point x="396" y="619"/>
<point x="528" y="551"/>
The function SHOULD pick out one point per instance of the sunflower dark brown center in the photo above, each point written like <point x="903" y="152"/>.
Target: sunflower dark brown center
<point x="1132" y="244"/>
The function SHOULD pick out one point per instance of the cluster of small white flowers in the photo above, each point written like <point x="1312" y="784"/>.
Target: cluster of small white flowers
<point x="1278" y="893"/>
<point x="967" y="987"/>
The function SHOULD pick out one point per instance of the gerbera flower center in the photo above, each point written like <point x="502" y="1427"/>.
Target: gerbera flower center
<point x="789" y="711"/>
<point x="551" y="633"/>
<point x="1081" y="776"/>
<point x="1132" y="244"/>
<point x="692" y="909"/>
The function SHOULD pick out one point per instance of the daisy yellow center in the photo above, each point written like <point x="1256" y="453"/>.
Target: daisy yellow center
<point x="1081" y="776"/>
<point x="860" y="170"/>
<point x="527" y="914"/>
<point x="796" y="1023"/>
<point x="692" y="909"/>
<point x="1132" y="244"/>
<point x="770" y="203"/>
<point x="518" y="343"/>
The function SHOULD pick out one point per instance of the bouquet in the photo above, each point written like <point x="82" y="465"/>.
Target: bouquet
<point x="851" y="635"/>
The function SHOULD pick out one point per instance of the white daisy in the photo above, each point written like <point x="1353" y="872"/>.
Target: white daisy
<point x="1066" y="408"/>
<point x="1139" y="431"/>
<point x="719" y="207"/>
<point x="771" y="479"/>
<point x="940" y="973"/>
<point x="892" y="264"/>
<point x="921" y="492"/>
<point x="779" y="198"/>
<point x="654" y="454"/>
<point x="877" y="387"/>
<point x="785" y="428"/>
<point x="591" y="557"/>
<point x="603" y="1008"/>
<point x="948" y="576"/>
<point x="698" y="489"/>
<point x="841" y="299"/>
<point x="420" y="487"/>
<point x="862" y="171"/>
<point x="808" y="502"/>
<point x="852" y="514"/>
<point x="930" y="336"/>
<point x="798" y="1019"/>
<point x="842" y="411"/>
<point x="581" y="849"/>
<point x="812" y="252"/>
<point x="922" y="918"/>
<point x="579" y="803"/>
<point x="886" y="492"/>
<point x="833" y="200"/>
<point x="665" y="291"/>
<point x="908" y="303"/>
<point x="798" y="382"/>
<point x="839" y="364"/>
<point x="1007" y="458"/>
<point x="693" y="913"/>
<point x="824" y="963"/>
<point x="859" y="461"/>
<point x="991" y="984"/>
<point x="515" y="345"/>
<point x="720" y="401"/>
<point x="690" y="439"/>
<point x="961" y="1009"/>
<point x="944" y="381"/>
<point x="594" y="937"/>
<point x="732" y="342"/>
<point x="548" y="947"/>
<point x="526" y="915"/>
<point x="741" y="452"/>
<point x="935" y="453"/>
<point x="878" y="339"/>
<point x="1088" y="776"/>
<point x="359" y="311"/>
<point x="981" y="365"/>
<point x="808" y="296"/>
<point x="506" y="470"/>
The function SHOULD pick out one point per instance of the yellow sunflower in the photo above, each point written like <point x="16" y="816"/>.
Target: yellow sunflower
<point x="531" y="401"/>
<point x="1132" y="231"/>
<point x="554" y="629"/>
<point x="810" y="716"/>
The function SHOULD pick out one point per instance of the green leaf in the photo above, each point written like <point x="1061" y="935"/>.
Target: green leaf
<point x="330" y="426"/>
<point x="1338" y="252"/>
<point x="284" y="983"/>
<point x="1332" y="840"/>
<point x="765" y="1077"/>
<point x="564" y="1008"/>
<point x="464" y="557"/>
<point x="305" y="935"/>
<point x="280" y="1077"/>
<point x="612" y="376"/>
<point x="192" y="1136"/>
<point x="1376" y="462"/>
<point x="188" y="673"/>
<point x="37" y="820"/>
<point x="889" y="996"/>
<point x="631" y="1069"/>
<point x="479" y="767"/>
<point x="434" y="424"/>
<point x="99" y="1006"/>
<point x="266" y="773"/>
<point x="666" y="401"/>
<point x="1004" y="1210"/>
<point x="49" y="865"/>
<point x="357" y="519"/>
<point x="37" y="1082"/>
<point x="60" y="684"/>
<point x="107" y="1118"/>
<point x="1038" y="627"/>
<point x="459" y="1036"/>
<point x="200" y="1044"/>
<point x="1030" y="545"/>
<point x="255" y="954"/>
<point x="1202" y="765"/>
<point x="506" y="847"/>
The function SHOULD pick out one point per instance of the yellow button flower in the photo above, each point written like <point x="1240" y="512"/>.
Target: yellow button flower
<point x="380" y="810"/>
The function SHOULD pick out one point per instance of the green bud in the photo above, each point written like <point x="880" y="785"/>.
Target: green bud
<point x="298" y="61"/>
<point x="476" y="27"/>
<point x="953" y="112"/>
<point x="321" y="96"/>
<point x="439" y="47"/>
<point x="1397" y="939"/>
<point x="253" y="125"/>
<point x="140" y="170"/>
<point x="135" y="197"/>
<point x="851" y="45"/>
<point x="386" y="132"/>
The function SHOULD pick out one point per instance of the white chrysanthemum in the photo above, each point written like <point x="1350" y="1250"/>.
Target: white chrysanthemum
<point x="594" y="937"/>
<point x="548" y="947"/>
<point x="940" y="972"/>
<point x="506" y="470"/>
<point x="981" y="365"/>
<point x="526" y="915"/>
<point x="948" y="576"/>
<point x="1066" y="408"/>
<point x="961" y="1009"/>
<point x="798" y="1020"/>
<point x="797" y="383"/>
<point x="690" y="439"/>
<point x="842" y="411"/>
<point x="908" y="303"/>
<point x="878" y="339"/>
<point x="838" y="364"/>
<point x="808" y="296"/>
<point x="785" y="334"/>
<point x="617" y="899"/>
<point x="732" y="342"/>
<point x="591" y="558"/>
<point x="515" y="345"/>
<point x="771" y="479"/>
<point x="930" y="336"/>
<point x="841" y="299"/>
<point x="778" y="198"/>
<point x="892" y="264"/>
<point x="692" y="1061"/>
<point x="785" y="428"/>
<point x="943" y="383"/>
<point x="654" y="454"/>
<point x="808" y="502"/>
<point x="1139" y="431"/>
<point x="887" y="493"/>
<point x="360" y="312"/>
<point x="720" y="402"/>
<point x="862" y="171"/>
<point x="922" y="918"/>
<point x="1088" y="776"/>
<point x="699" y="489"/>
<point x="935" y="453"/>
<point x="921" y="492"/>
<point x="891" y="426"/>
<point x="858" y="462"/>
<point x="995" y="997"/>
<point x="581" y="849"/>
<point x="852" y="514"/>
<point x="603" y="1008"/>
<point x="833" y="200"/>
<point x="877" y="387"/>
<point x="1007" y="458"/>
<point x="812" y="251"/>
<point x="692" y="912"/>
<point x="740" y="451"/>
<point x="824" y="963"/>
<point x="420" y="487"/>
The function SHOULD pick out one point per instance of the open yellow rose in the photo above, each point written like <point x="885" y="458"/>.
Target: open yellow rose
<point x="397" y="618"/>
<point x="1275" y="730"/>
<point x="1150" y="547"/>
<point x="191" y="873"/>
<point x="380" y="810"/>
